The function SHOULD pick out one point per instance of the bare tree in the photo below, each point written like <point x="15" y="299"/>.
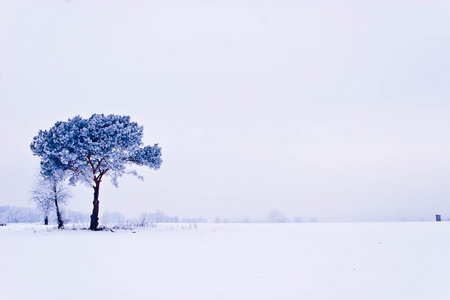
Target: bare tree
<point x="49" y="194"/>
<point x="42" y="201"/>
<point x="298" y="219"/>
<point x="275" y="216"/>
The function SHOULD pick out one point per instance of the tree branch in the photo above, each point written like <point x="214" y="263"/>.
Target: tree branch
<point x="74" y="169"/>
<point x="90" y="162"/>
<point x="101" y="174"/>
<point x="98" y="165"/>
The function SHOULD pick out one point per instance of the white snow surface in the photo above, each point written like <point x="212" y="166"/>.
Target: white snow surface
<point x="228" y="261"/>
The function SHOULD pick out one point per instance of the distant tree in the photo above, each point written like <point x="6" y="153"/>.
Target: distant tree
<point x="48" y="194"/>
<point x="76" y="217"/>
<point x="298" y="219"/>
<point x="3" y="212"/>
<point x="275" y="216"/>
<point x="142" y="221"/>
<point x="202" y="220"/>
<point x="113" y="217"/>
<point x="85" y="150"/>
<point x="159" y="216"/>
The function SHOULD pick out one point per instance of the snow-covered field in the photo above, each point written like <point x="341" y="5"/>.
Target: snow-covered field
<point x="228" y="261"/>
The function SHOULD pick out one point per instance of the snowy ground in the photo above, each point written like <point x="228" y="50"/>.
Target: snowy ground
<point x="228" y="261"/>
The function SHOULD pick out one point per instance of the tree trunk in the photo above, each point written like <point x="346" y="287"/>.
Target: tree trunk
<point x="46" y="220"/>
<point x="94" y="216"/>
<point x="58" y="213"/>
<point x="59" y="216"/>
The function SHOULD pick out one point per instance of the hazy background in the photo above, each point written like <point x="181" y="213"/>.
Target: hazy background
<point x="337" y="110"/>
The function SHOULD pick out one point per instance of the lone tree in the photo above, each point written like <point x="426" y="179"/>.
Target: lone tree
<point x="85" y="150"/>
<point x="48" y="194"/>
<point x="276" y="216"/>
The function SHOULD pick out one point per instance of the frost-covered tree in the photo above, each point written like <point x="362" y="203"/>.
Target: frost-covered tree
<point x="85" y="150"/>
<point x="298" y="219"/>
<point x="275" y="216"/>
<point x="42" y="203"/>
<point x="113" y="218"/>
<point x="76" y="217"/>
<point x="48" y="194"/>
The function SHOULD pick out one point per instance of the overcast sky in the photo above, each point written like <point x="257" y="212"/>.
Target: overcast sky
<point x="335" y="110"/>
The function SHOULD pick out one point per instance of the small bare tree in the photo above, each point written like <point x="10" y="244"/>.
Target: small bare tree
<point x="42" y="202"/>
<point x="48" y="195"/>
<point x="275" y="216"/>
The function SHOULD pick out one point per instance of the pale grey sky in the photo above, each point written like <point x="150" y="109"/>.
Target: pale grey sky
<point x="337" y="110"/>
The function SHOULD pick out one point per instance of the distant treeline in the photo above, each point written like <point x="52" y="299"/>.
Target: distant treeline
<point x="160" y="217"/>
<point x="13" y="214"/>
